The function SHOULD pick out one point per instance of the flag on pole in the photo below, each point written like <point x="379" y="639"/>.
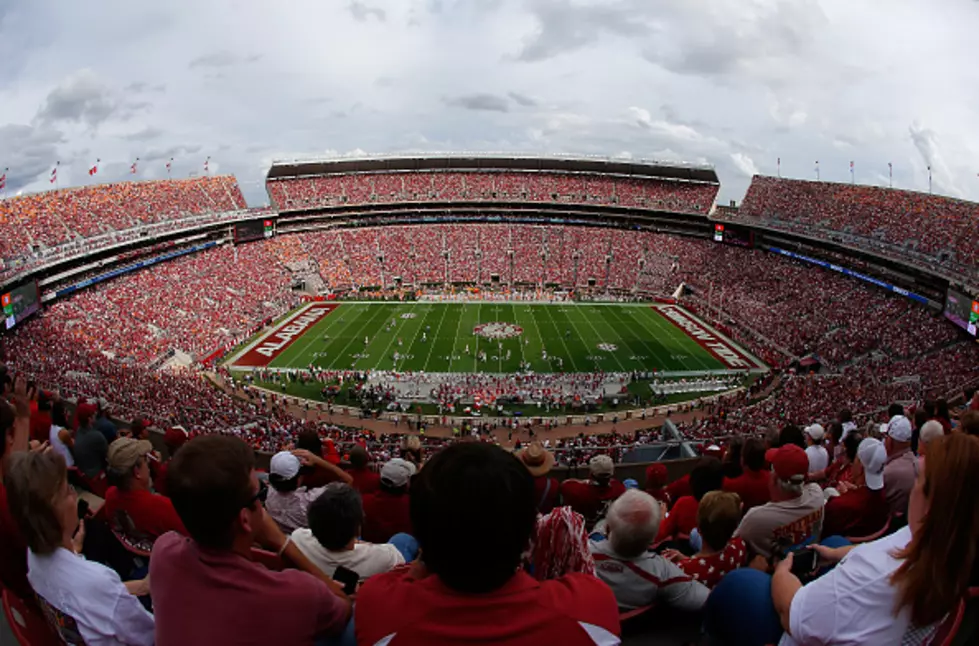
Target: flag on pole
<point x="207" y="164"/>
<point x="3" y="179"/>
<point x="132" y="169"/>
<point x="169" y="163"/>
<point x="94" y="169"/>
<point x="54" y="175"/>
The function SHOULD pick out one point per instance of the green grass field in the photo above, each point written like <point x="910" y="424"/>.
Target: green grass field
<point x="433" y="337"/>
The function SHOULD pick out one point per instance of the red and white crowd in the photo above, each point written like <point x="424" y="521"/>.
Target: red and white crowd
<point x="36" y="225"/>
<point x="917" y="227"/>
<point x="490" y="186"/>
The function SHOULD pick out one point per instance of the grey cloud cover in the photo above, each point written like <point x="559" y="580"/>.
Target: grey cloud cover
<point x="736" y="85"/>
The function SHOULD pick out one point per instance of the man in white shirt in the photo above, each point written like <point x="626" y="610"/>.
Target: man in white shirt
<point x="637" y="576"/>
<point x="335" y="518"/>
<point x="817" y="453"/>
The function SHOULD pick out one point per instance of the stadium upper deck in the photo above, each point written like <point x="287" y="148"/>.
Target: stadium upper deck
<point x="308" y="185"/>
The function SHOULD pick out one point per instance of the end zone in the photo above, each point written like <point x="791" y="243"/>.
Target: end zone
<point x="261" y="352"/>
<point x="720" y="347"/>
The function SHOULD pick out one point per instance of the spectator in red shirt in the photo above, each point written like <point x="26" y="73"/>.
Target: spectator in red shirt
<point x="539" y="462"/>
<point x="718" y="516"/>
<point x="860" y="509"/>
<point x="173" y="439"/>
<point x="386" y="512"/>
<point x="207" y="589"/>
<point x="707" y="476"/>
<point x="473" y="510"/>
<point x="41" y="418"/>
<point x="151" y="514"/>
<point x="14" y="437"/>
<point x="591" y="497"/>
<point x="366" y="480"/>
<point x="656" y="476"/>
<point x="752" y="485"/>
<point x="317" y="474"/>
<point x="678" y="489"/>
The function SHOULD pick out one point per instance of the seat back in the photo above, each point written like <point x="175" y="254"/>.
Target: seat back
<point x="29" y="627"/>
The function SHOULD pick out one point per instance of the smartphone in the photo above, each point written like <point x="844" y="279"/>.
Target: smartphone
<point x="348" y="578"/>
<point x="804" y="562"/>
<point x="82" y="509"/>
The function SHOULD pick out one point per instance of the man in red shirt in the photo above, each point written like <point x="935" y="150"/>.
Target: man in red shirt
<point x="473" y="510"/>
<point x="591" y="497"/>
<point x="173" y="439"/>
<point x="386" y="512"/>
<point x="752" y="484"/>
<point x="152" y="514"/>
<point x="207" y="589"/>
<point x="861" y="508"/>
<point x="539" y="462"/>
<point x="365" y="479"/>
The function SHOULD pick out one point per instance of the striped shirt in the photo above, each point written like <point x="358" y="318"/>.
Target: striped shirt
<point x="646" y="579"/>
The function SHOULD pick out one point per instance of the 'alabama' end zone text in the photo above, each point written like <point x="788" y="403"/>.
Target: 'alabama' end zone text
<point x="263" y="352"/>
<point x="709" y="341"/>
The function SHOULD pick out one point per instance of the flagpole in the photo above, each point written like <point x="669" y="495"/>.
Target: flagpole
<point x="852" y="180"/>
<point x="890" y="174"/>
<point x="169" y="164"/>
<point x="780" y="167"/>
<point x="57" y="182"/>
<point x="817" y="170"/>
<point x="3" y="184"/>
<point x="929" y="179"/>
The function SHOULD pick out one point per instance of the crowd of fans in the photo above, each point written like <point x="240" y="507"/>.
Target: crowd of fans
<point x="827" y="534"/>
<point x="928" y="229"/>
<point x="36" y="225"/>
<point x="353" y="189"/>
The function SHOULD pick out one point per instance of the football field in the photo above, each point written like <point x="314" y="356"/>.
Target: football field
<point x="491" y="337"/>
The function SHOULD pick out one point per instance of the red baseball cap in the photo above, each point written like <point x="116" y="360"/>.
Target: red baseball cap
<point x="788" y="461"/>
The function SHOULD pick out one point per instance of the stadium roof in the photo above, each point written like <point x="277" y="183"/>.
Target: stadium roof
<point x="494" y="161"/>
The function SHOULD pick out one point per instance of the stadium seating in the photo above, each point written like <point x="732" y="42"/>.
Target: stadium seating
<point x="536" y="187"/>
<point x="914" y="227"/>
<point x="36" y="225"/>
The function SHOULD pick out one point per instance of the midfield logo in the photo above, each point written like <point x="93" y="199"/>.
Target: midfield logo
<point x="498" y="330"/>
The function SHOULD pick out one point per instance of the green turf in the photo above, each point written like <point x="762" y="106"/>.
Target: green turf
<point x="645" y="340"/>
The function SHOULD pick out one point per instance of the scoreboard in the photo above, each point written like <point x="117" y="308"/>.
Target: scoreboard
<point x="727" y="233"/>
<point x="20" y="303"/>
<point x="254" y="230"/>
<point x="962" y="310"/>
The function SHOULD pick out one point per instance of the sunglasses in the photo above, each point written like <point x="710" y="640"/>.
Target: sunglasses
<point x="259" y="495"/>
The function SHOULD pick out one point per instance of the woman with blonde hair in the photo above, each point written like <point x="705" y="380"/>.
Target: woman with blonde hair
<point x="895" y="590"/>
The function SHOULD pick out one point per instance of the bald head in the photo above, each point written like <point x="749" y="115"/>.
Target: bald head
<point x="929" y="431"/>
<point x="633" y="523"/>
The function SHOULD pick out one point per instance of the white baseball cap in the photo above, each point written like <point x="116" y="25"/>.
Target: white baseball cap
<point x="873" y="457"/>
<point x="816" y="432"/>
<point x="397" y="472"/>
<point x="285" y="465"/>
<point x="899" y="428"/>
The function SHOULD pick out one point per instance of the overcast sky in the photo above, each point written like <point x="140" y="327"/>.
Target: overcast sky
<point x="732" y="84"/>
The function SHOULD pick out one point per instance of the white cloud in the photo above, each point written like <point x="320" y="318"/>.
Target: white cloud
<point x="744" y="164"/>
<point x="736" y="85"/>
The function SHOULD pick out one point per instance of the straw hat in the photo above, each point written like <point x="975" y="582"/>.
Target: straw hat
<point x="537" y="459"/>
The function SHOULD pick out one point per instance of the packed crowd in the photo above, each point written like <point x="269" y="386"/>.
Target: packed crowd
<point x="920" y="227"/>
<point x="38" y="223"/>
<point x="824" y="534"/>
<point x="451" y="186"/>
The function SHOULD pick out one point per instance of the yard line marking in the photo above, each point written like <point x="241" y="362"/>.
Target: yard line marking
<point x="561" y="338"/>
<point x="434" y="339"/>
<point x="353" y="339"/>
<point x="401" y="322"/>
<point x="614" y="355"/>
<point x="452" y="353"/>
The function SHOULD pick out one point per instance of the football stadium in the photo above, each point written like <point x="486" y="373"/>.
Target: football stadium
<point x="475" y="397"/>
